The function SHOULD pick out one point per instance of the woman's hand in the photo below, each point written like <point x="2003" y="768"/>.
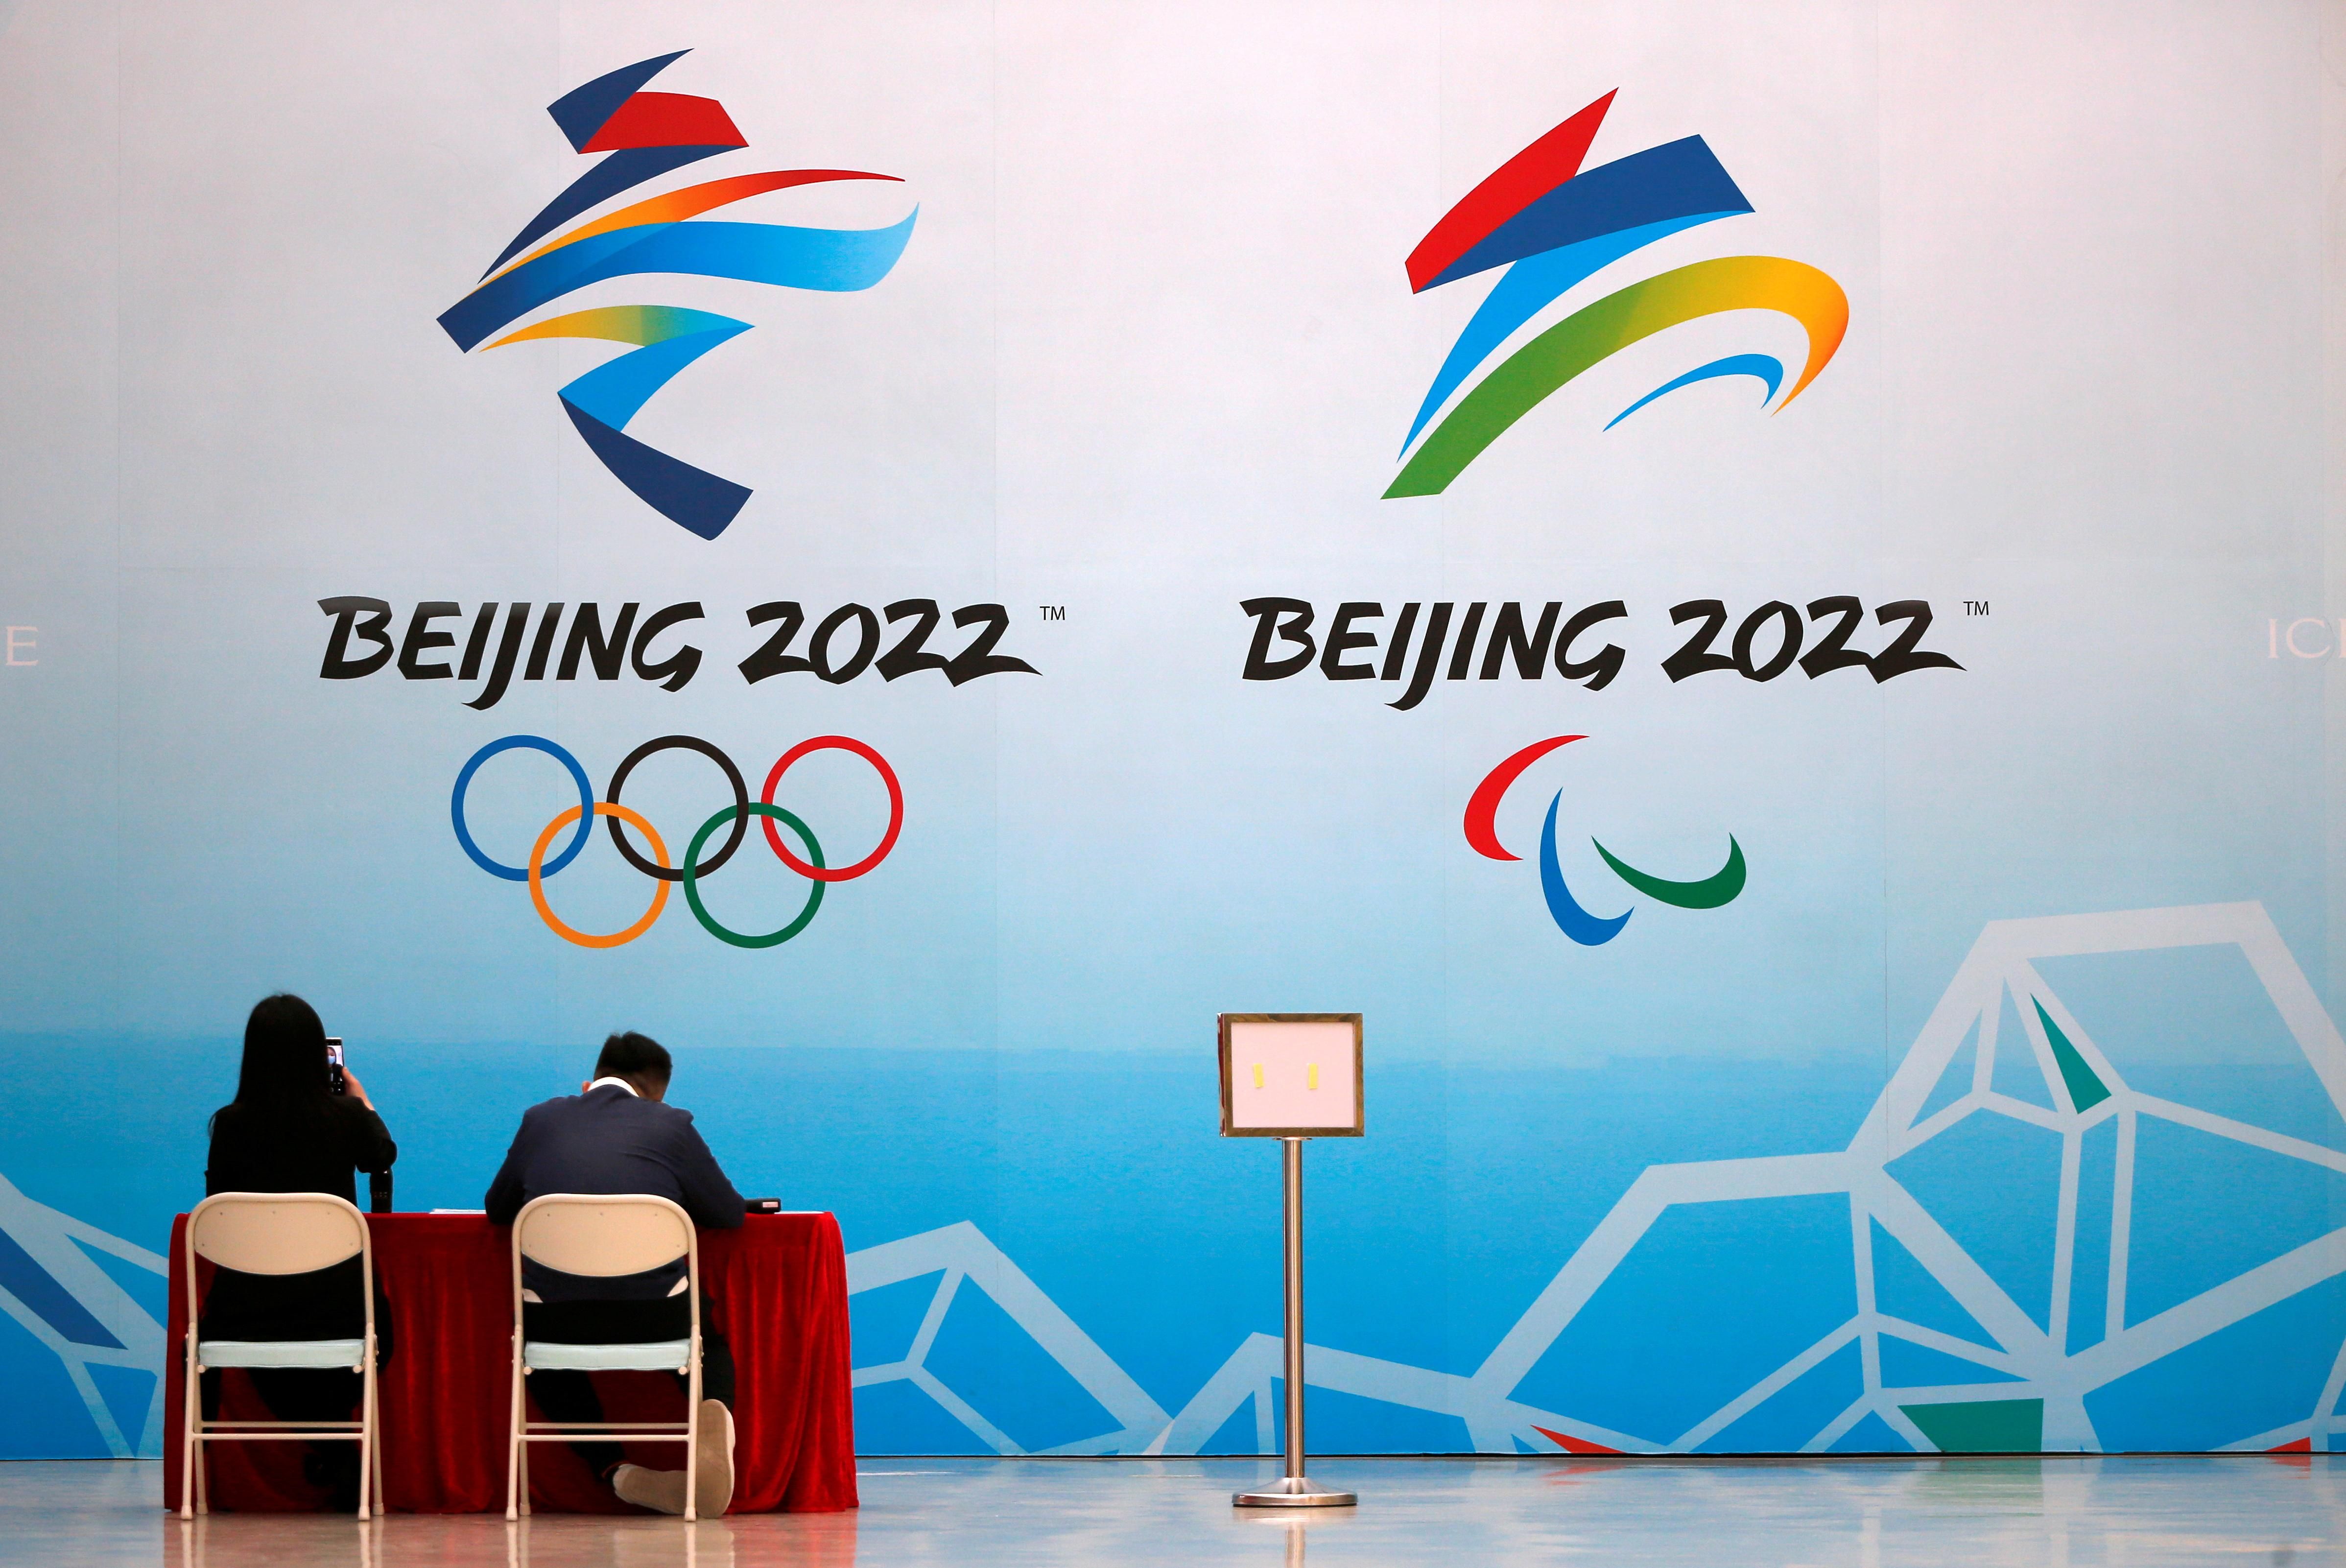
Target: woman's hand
<point x="354" y="1089"/>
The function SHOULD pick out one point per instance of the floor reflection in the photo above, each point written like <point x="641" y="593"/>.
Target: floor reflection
<point x="2253" y="1512"/>
<point x="1297" y="1530"/>
<point x="446" y="1541"/>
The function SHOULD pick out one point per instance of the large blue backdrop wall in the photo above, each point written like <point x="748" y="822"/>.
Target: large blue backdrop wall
<point x="1898" y="440"/>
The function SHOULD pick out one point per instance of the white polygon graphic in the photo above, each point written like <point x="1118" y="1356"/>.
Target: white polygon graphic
<point x="52" y="1285"/>
<point x="63" y="1297"/>
<point x="2082" y="1090"/>
<point x="965" y="1257"/>
<point x="2000" y="962"/>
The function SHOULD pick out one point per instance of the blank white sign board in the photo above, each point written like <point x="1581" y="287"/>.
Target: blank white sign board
<point x="1292" y="1075"/>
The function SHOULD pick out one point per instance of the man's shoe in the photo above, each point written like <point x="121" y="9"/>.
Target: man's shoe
<point x="713" y="1461"/>
<point x="661" y="1491"/>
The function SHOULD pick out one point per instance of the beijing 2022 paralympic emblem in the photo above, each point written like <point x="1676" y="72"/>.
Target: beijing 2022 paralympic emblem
<point x="1713" y="891"/>
<point x="647" y="134"/>
<point x="691" y="869"/>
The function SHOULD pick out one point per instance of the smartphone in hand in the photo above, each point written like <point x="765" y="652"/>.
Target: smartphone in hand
<point x="333" y="1064"/>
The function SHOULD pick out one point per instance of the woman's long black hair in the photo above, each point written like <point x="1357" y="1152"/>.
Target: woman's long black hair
<point x="283" y="1078"/>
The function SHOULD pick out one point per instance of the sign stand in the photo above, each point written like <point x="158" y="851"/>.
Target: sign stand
<point x="1296" y="1076"/>
<point x="1295" y="1490"/>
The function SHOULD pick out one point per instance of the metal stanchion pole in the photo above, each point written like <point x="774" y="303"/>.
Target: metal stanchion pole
<point x="1295" y="1490"/>
<point x="1293" y="1163"/>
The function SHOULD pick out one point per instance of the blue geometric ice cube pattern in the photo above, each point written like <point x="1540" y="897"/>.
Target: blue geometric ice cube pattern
<point x="2058" y="1228"/>
<point x="2036" y="1239"/>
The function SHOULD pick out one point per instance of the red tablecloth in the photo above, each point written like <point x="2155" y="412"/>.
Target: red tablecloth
<point x="779" y="1284"/>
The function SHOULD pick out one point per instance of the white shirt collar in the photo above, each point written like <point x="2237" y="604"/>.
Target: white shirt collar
<point x="616" y="1082"/>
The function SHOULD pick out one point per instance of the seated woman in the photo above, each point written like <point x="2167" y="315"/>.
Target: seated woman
<point x="287" y="1131"/>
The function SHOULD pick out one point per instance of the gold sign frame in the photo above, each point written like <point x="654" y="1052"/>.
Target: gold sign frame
<point x="1360" y="1083"/>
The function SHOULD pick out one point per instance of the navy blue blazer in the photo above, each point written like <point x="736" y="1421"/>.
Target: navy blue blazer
<point x="611" y="1141"/>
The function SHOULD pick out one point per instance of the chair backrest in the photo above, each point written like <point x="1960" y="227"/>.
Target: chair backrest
<point x="277" y="1232"/>
<point x="603" y="1236"/>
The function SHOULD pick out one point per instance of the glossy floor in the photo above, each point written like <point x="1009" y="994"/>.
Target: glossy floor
<point x="2247" y="1512"/>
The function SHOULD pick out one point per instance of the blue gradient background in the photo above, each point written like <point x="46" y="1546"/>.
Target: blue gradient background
<point x="1145" y="360"/>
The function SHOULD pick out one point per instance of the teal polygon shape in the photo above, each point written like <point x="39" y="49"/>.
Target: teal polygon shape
<point x="2084" y="1085"/>
<point x="2196" y="1025"/>
<point x="1980" y="1426"/>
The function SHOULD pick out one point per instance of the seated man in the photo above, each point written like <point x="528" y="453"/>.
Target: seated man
<point x="617" y="1137"/>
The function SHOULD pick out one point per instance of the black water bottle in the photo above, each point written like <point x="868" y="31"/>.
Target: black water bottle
<point x="379" y="1192"/>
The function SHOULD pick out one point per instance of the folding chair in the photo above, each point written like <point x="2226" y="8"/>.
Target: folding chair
<point x="602" y="1237"/>
<point x="279" y="1233"/>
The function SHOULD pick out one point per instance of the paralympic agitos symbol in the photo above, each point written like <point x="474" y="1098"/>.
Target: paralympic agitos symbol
<point x="648" y="135"/>
<point x="1552" y="224"/>
<point x="1589" y="931"/>
<point x="692" y="869"/>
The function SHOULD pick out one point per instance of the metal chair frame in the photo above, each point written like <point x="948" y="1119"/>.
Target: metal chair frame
<point x="195" y="1431"/>
<point x="521" y="1431"/>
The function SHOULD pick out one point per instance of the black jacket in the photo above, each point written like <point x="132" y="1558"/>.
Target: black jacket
<point x="310" y="1154"/>
<point x="610" y="1141"/>
<point x="306" y="1156"/>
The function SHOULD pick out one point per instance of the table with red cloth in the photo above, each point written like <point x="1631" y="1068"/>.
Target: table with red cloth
<point x="779" y="1287"/>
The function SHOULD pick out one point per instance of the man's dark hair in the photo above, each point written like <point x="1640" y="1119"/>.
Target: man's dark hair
<point x="633" y="1056"/>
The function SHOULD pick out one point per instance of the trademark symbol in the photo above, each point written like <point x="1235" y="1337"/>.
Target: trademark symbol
<point x="1975" y="606"/>
<point x="1053" y="612"/>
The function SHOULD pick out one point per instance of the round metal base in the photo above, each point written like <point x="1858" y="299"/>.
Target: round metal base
<point x="1295" y="1492"/>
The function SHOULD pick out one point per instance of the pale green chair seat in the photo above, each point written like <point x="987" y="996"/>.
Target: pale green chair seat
<point x="343" y="1355"/>
<point x="658" y="1356"/>
<point x="278" y="1234"/>
<point x="608" y="1236"/>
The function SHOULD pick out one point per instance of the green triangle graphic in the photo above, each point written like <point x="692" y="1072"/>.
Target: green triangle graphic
<point x="2086" y="1089"/>
<point x="1981" y="1426"/>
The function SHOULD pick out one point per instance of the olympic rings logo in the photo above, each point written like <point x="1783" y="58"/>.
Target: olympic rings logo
<point x="692" y="868"/>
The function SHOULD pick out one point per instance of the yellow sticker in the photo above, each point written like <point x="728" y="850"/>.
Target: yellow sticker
<point x="1312" y="1074"/>
<point x="1257" y="1074"/>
